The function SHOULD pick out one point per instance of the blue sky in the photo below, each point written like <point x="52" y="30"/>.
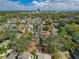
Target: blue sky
<point x="42" y="4"/>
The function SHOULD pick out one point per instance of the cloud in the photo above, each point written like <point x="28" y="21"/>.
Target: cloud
<point x="63" y="0"/>
<point x="15" y="5"/>
<point x="57" y="4"/>
<point x="62" y="5"/>
<point x="40" y="4"/>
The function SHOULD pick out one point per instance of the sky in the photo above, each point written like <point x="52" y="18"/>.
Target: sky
<point x="42" y="4"/>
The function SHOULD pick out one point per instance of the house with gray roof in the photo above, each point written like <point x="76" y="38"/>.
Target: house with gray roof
<point x="12" y="55"/>
<point x="27" y="55"/>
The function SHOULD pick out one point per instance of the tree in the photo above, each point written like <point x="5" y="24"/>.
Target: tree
<point x="3" y="50"/>
<point x="21" y="44"/>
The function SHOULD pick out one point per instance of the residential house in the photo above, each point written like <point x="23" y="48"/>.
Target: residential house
<point x="27" y="55"/>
